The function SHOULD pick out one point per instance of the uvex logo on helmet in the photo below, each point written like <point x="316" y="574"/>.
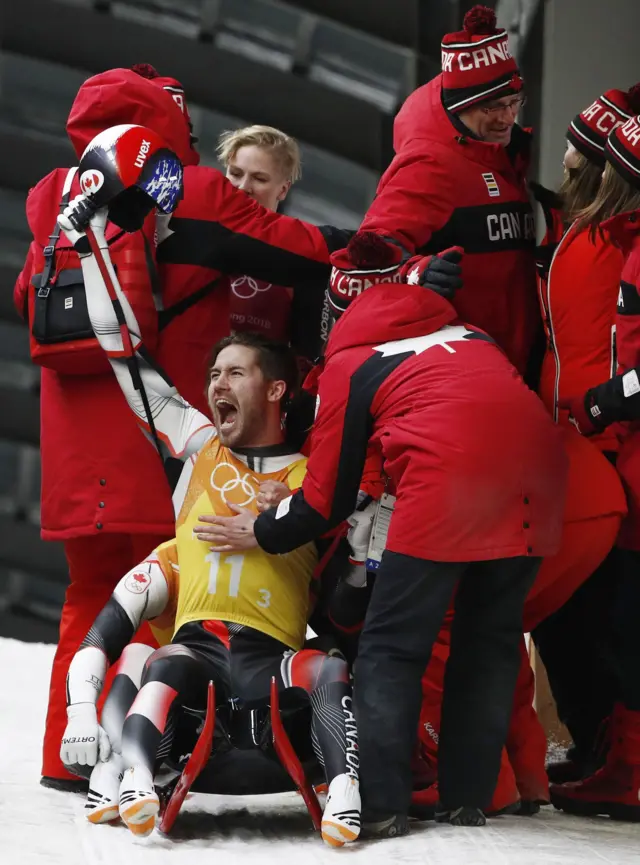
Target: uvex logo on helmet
<point x="131" y="159"/>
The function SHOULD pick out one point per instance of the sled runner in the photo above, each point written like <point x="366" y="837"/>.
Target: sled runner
<point x="196" y="763"/>
<point x="290" y="760"/>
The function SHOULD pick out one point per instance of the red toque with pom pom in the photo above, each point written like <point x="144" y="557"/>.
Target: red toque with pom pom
<point x="145" y="70"/>
<point x="622" y="150"/>
<point x="477" y="65"/>
<point x="588" y="130"/>
<point x="171" y="85"/>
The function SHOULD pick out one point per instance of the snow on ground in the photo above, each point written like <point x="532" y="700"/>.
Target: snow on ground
<point x="44" y="827"/>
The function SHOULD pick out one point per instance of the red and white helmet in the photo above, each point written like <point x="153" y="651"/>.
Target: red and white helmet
<point x="132" y="170"/>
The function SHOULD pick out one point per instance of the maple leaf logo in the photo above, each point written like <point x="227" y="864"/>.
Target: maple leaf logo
<point x="418" y="344"/>
<point x="413" y="277"/>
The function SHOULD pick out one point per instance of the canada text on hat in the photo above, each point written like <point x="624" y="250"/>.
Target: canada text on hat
<point x="588" y="130"/>
<point x="476" y="62"/>
<point x="623" y="150"/>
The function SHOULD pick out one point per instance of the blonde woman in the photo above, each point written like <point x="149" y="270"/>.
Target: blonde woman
<point x="262" y="161"/>
<point x="265" y="162"/>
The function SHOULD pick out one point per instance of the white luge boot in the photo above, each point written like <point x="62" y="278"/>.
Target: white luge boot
<point x="104" y="789"/>
<point x="341" y="818"/>
<point x="138" y="800"/>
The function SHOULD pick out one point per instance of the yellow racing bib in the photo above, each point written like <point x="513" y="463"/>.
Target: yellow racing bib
<point x="267" y="592"/>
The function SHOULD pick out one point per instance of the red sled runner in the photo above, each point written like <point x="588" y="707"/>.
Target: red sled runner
<point x="202" y="751"/>
<point x="196" y="763"/>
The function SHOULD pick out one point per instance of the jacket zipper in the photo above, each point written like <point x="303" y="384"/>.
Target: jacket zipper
<point x="552" y="337"/>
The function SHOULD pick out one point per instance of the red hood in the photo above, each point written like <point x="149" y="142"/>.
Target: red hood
<point x="389" y="312"/>
<point x="122" y="96"/>
<point x="423" y="121"/>
<point x="423" y="117"/>
<point x="624" y="229"/>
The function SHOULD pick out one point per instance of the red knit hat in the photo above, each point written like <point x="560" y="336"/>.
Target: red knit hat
<point x="476" y="62"/>
<point x="622" y="150"/>
<point x="588" y="130"/>
<point x="173" y="87"/>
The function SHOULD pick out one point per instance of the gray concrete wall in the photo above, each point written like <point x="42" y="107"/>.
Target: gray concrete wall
<point x="589" y="46"/>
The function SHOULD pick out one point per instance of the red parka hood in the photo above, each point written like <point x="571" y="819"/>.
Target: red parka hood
<point x="123" y="96"/>
<point x="390" y="312"/>
<point x="423" y="122"/>
<point x="623" y="229"/>
<point x="423" y="117"/>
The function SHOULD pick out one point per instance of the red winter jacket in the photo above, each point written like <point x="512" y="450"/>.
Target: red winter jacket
<point x="578" y="284"/>
<point x="99" y="474"/>
<point x="477" y="464"/>
<point x="300" y="318"/>
<point x="443" y="189"/>
<point x="625" y="231"/>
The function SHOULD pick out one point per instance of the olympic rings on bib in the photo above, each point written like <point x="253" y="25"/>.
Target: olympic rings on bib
<point x="247" y="483"/>
<point x="246" y="287"/>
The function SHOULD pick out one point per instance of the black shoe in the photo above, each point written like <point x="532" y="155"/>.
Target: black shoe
<point x="464" y="816"/>
<point x="389" y="827"/>
<point x="527" y="808"/>
<point x="66" y="785"/>
<point x="512" y="808"/>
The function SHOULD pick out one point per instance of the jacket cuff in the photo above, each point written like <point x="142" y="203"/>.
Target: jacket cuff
<point x="290" y="525"/>
<point x="615" y="400"/>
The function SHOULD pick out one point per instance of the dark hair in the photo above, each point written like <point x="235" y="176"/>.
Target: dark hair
<point x="276" y="360"/>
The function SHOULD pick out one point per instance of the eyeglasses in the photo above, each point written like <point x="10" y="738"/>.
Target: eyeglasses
<point x="514" y="105"/>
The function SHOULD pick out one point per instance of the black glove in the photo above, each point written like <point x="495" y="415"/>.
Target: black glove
<point x="616" y="400"/>
<point x="441" y="273"/>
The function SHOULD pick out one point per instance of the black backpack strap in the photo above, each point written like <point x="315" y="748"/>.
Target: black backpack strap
<point x="49" y="251"/>
<point x="156" y="288"/>
<point x="133" y="365"/>
<point x="39" y="325"/>
<point x="166" y="316"/>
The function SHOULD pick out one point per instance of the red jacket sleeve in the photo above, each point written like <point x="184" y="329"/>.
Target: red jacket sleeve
<point x="20" y="291"/>
<point x="221" y="228"/>
<point x="628" y="313"/>
<point x="373" y="479"/>
<point x="330" y="488"/>
<point x="413" y="201"/>
<point x="618" y="399"/>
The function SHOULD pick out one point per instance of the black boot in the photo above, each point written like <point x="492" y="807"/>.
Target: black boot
<point x="375" y="826"/>
<point x="463" y="816"/>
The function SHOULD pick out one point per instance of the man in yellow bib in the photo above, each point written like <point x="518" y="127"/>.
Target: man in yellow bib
<point x="238" y="620"/>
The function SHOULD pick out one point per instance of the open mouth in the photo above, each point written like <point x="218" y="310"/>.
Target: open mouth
<point x="227" y="415"/>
